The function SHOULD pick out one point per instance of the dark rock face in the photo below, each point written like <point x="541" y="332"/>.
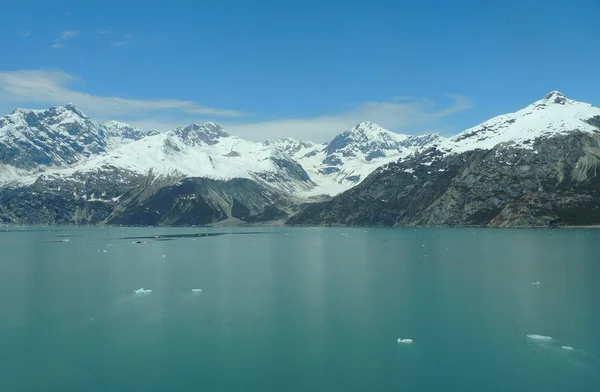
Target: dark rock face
<point x="554" y="183"/>
<point x="197" y="201"/>
<point x="594" y="121"/>
<point x="195" y="134"/>
<point x="122" y="198"/>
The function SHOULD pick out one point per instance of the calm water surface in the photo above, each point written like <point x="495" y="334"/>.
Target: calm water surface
<point x="299" y="310"/>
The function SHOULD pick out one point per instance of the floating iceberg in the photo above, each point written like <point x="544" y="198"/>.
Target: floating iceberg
<point x="568" y="348"/>
<point x="536" y="283"/>
<point x="540" y="338"/>
<point x="405" y="341"/>
<point x="196" y="290"/>
<point x="142" y="291"/>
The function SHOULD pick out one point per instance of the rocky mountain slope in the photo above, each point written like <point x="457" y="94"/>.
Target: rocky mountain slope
<point x="192" y="175"/>
<point x="536" y="167"/>
<point x="352" y="155"/>
<point x="58" y="166"/>
<point x="58" y="136"/>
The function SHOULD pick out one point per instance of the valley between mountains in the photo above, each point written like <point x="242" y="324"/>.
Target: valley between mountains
<point x="537" y="167"/>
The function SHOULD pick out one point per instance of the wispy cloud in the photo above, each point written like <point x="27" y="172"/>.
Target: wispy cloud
<point x="104" y="32"/>
<point x="404" y="116"/>
<point x="54" y="88"/>
<point x="63" y="38"/>
<point x="24" y="33"/>
<point x="125" y="41"/>
<point x="44" y="88"/>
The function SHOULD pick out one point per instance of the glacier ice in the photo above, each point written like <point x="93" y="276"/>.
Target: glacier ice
<point x="540" y="338"/>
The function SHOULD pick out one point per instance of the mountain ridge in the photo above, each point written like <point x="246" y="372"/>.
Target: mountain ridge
<point x="535" y="167"/>
<point x="114" y="173"/>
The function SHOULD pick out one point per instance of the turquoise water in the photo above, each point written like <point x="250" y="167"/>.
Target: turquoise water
<point x="299" y="310"/>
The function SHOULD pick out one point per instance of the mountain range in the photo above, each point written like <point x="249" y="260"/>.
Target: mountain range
<point x="534" y="167"/>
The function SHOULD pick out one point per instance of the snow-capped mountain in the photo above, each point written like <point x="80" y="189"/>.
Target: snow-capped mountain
<point x="59" y="136"/>
<point x="202" y="151"/>
<point x="553" y="115"/>
<point x="58" y="166"/>
<point x="191" y="175"/>
<point x="535" y="167"/>
<point x="63" y="141"/>
<point x="352" y="155"/>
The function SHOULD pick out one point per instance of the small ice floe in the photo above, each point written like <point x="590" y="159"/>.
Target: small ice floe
<point x="536" y="283"/>
<point x="164" y="256"/>
<point x="405" y="341"/>
<point x="102" y="251"/>
<point x="540" y="338"/>
<point x="568" y="348"/>
<point x="142" y="291"/>
<point x="196" y="290"/>
<point x="66" y="240"/>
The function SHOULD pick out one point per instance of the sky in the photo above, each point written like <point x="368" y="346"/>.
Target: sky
<point x="305" y="69"/>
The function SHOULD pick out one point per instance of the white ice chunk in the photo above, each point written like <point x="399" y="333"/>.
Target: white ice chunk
<point x="196" y="290"/>
<point x="536" y="283"/>
<point x="540" y="338"/>
<point x="405" y="341"/>
<point x="142" y="291"/>
<point x="568" y="348"/>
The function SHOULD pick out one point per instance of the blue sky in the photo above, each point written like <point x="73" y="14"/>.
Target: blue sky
<point x="306" y="69"/>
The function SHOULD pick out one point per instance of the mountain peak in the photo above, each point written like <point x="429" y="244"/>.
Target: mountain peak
<point x="72" y="108"/>
<point x="556" y="97"/>
<point x="195" y="134"/>
<point x="368" y="126"/>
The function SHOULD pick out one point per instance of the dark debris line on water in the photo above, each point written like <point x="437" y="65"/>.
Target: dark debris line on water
<point x="167" y="237"/>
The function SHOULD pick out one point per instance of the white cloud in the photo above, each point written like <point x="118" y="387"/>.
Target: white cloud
<point x="65" y="36"/>
<point x="125" y="41"/>
<point x="397" y="116"/>
<point x="24" y="33"/>
<point x="104" y="31"/>
<point x="43" y="88"/>
<point x="54" y="88"/>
